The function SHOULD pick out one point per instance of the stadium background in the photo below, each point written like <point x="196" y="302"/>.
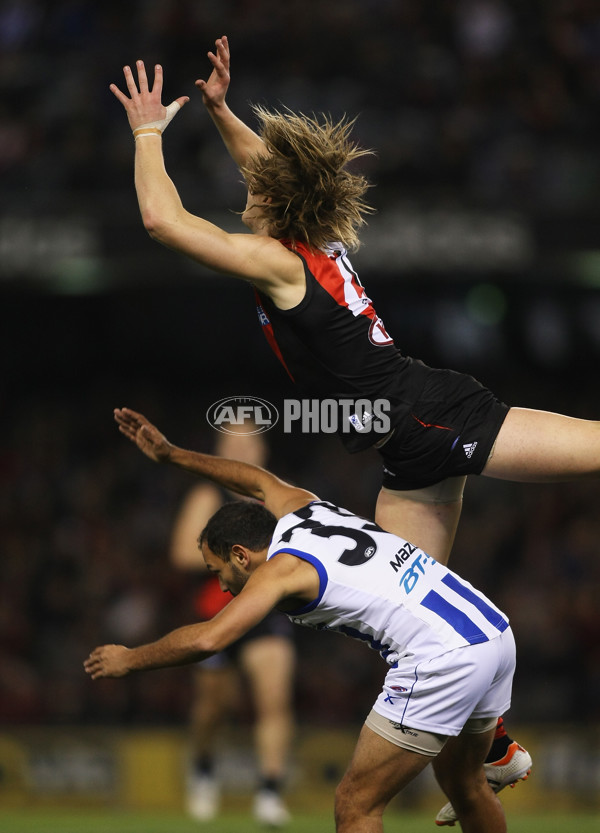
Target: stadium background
<point x="483" y="256"/>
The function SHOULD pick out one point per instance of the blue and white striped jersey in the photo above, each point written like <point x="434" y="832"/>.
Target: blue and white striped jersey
<point x="379" y="588"/>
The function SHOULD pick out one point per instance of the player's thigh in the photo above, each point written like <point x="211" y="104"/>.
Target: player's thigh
<point x="378" y="770"/>
<point x="538" y="446"/>
<point x="213" y="694"/>
<point x="430" y="525"/>
<point x="269" y="663"/>
<point x="213" y="683"/>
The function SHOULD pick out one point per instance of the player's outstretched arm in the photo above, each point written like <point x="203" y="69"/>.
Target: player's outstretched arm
<point x="239" y="139"/>
<point x="269" y="584"/>
<point x="191" y="643"/>
<point x="158" y="199"/>
<point x="176" y="648"/>
<point x="278" y="496"/>
<point x="257" y="257"/>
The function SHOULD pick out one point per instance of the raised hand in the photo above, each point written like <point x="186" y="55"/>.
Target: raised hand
<point x="144" y="108"/>
<point x="145" y="435"/>
<point x="215" y="89"/>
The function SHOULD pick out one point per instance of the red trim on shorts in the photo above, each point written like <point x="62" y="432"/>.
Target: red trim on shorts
<point x="430" y="424"/>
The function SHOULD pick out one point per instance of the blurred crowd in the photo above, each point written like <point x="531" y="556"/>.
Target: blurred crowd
<point x="85" y="521"/>
<point x="492" y="102"/>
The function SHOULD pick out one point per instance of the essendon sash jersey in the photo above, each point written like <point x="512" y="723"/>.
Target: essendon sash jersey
<point x="334" y="345"/>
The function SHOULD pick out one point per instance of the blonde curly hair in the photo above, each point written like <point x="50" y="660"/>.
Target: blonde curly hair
<point x="314" y="198"/>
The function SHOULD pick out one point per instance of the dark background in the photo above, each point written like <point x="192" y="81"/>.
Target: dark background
<point x="483" y="256"/>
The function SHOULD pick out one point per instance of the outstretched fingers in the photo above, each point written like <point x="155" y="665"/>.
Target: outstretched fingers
<point x="221" y="56"/>
<point x="219" y="60"/>
<point x="222" y="46"/>
<point x="120" y="95"/>
<point x="93" y="664"/>
<point x="142" y="77"/>
<point x="141" y="87"/>
<point x="128" y="421"/>
<point x="141" y="432"/>
<point x="131" y="87"/>
<point x="107" y="661"/>
<point x="158" y="81"/>
<point x="130" y="81"/>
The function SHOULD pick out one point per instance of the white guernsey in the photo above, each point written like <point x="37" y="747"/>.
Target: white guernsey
<point x="450" y="651"/>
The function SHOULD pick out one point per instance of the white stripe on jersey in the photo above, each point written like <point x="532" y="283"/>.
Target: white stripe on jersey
<point x="356" y="299"/>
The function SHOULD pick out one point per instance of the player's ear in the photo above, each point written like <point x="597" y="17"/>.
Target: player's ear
<point x="240" y="555"/>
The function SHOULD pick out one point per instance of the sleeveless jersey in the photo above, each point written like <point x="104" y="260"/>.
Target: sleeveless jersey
<point x="382" y="590"/>
<point x="334" y="345"/>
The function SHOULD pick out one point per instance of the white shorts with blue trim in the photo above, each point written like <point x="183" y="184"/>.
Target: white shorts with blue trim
<point x="439" y="695"/>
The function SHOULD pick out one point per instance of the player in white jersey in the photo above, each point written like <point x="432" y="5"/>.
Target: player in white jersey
<point x="450" y="651"/>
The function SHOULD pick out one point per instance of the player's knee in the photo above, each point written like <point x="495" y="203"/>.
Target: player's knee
<point x="350" y="806"/>
<point x="345" y="800"/>
<point x="345" y="811"/>
<point x="464" y="793"/>
<point x="476" y="800"/>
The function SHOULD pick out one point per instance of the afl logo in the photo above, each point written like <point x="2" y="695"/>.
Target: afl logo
<point x="378" y="334"/>
<point x="253" y="415"/>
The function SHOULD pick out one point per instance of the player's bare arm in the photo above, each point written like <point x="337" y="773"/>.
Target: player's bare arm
<point x="257" y="257"/>
<point x="239" y="139"/>
<point x="199" y="505"/>
<point x="278" y="496"/>
<point x="269" y="585"/>
<point x="191" y="643"/>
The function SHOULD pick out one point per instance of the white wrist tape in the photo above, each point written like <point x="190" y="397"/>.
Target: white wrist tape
<point x="155" y="128"/>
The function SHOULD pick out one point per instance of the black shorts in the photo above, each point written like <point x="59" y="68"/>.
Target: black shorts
<point x="274" y="624"/>
<point x="450" y="432"/>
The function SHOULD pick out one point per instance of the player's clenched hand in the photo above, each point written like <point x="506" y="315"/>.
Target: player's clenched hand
<point x="214" y="90"/>
<point x="108" y="661"/>
<point x="144" y="108"/>
<point x="145" y="435"/>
